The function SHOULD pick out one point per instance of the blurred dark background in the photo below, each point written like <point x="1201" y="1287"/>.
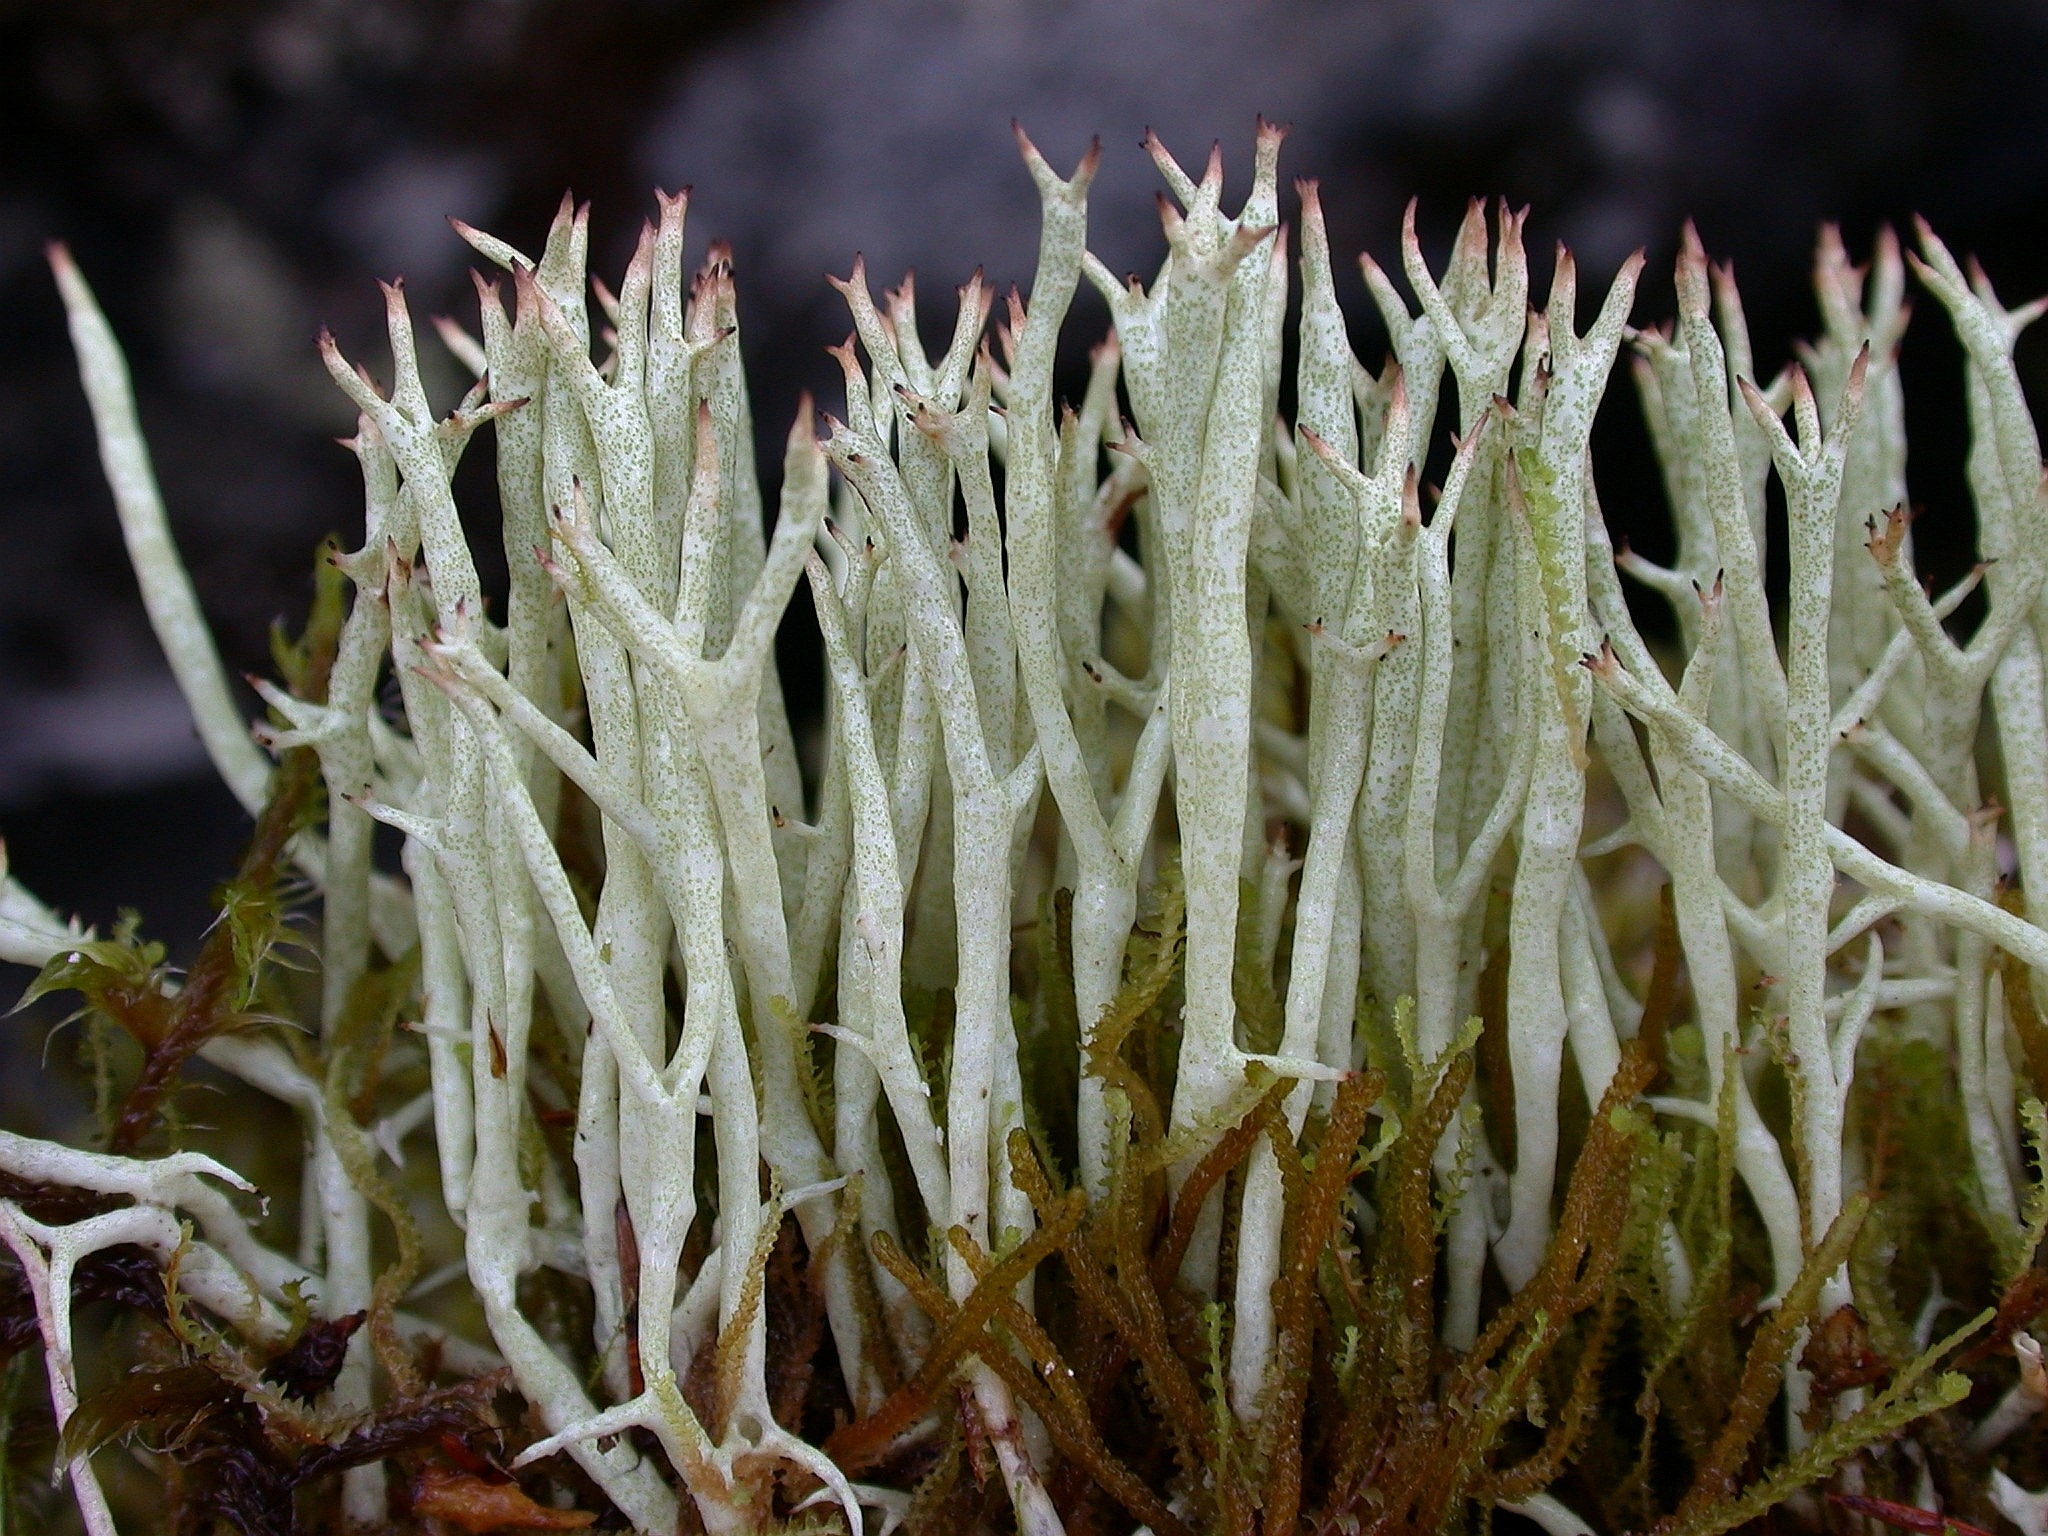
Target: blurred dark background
<point x="233" y="175"/>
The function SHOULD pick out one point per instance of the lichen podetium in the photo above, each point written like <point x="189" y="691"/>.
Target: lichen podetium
<point x="1202" y="1054"/>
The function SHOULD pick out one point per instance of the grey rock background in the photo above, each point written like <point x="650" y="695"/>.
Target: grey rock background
<point x="232" y="175"/>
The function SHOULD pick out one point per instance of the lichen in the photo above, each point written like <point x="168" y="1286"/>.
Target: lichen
<point x="1178" y="1062"/>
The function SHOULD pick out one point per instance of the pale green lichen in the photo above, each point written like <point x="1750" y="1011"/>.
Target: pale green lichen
<point x="1092" y="1231"/>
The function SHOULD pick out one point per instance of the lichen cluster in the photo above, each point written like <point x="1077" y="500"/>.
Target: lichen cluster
<point x="1186" y="1042"/>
